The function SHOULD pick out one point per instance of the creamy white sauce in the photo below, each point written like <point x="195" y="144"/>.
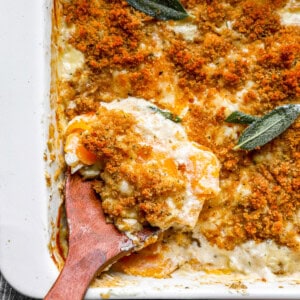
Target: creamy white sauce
<point x="240" y="94"/>
<point x="260" y="260"/>
<point x="168" y="92"/>
<point x="288" y="18"/>
<point x="290" y="14"/>
<point x="221" y="101"/>
<point x="125" y="188"/>
<point x="243" y="189"/>
<point x="187" y="30"/>
<point x="69" y="59"/>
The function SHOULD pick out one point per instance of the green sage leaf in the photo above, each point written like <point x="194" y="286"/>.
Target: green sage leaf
<point x="167" y="114"/>
<point x="239" y="117"/>
<point x="268" y="127"/>
<point x="160" y="9"/>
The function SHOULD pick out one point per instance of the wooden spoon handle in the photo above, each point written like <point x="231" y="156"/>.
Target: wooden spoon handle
<point x="85" y="259"/>
<point x="76" y="275"/>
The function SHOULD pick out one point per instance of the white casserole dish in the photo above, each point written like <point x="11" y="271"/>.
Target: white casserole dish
<point x="25" y="210"/>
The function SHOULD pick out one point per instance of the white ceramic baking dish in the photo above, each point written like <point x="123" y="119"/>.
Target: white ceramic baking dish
<point x="26" y="211"/>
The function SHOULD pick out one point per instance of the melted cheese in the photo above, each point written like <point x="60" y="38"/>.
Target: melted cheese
<point x="187" y="30"/>
<point x="261" y="260"/>
<point x="290" y="14"/>
<point x="69" y="59"/>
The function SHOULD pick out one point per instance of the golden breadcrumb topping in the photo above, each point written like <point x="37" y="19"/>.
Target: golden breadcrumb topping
<point x="116" y="144"/>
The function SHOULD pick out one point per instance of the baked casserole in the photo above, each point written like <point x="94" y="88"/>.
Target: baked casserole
<point x="142" y="107"/>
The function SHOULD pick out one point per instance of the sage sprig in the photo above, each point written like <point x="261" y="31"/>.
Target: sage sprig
<point x="167" y="114"/>
<point x="264" y="129"/>
<point x="160" y="9"/>
<point x="239" y="117"/>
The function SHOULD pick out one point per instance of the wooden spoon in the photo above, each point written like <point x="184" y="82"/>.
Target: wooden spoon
<point x="93" y="243"/>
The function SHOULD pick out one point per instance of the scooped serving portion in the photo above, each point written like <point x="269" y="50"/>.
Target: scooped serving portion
<point x="145" y="169"/>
